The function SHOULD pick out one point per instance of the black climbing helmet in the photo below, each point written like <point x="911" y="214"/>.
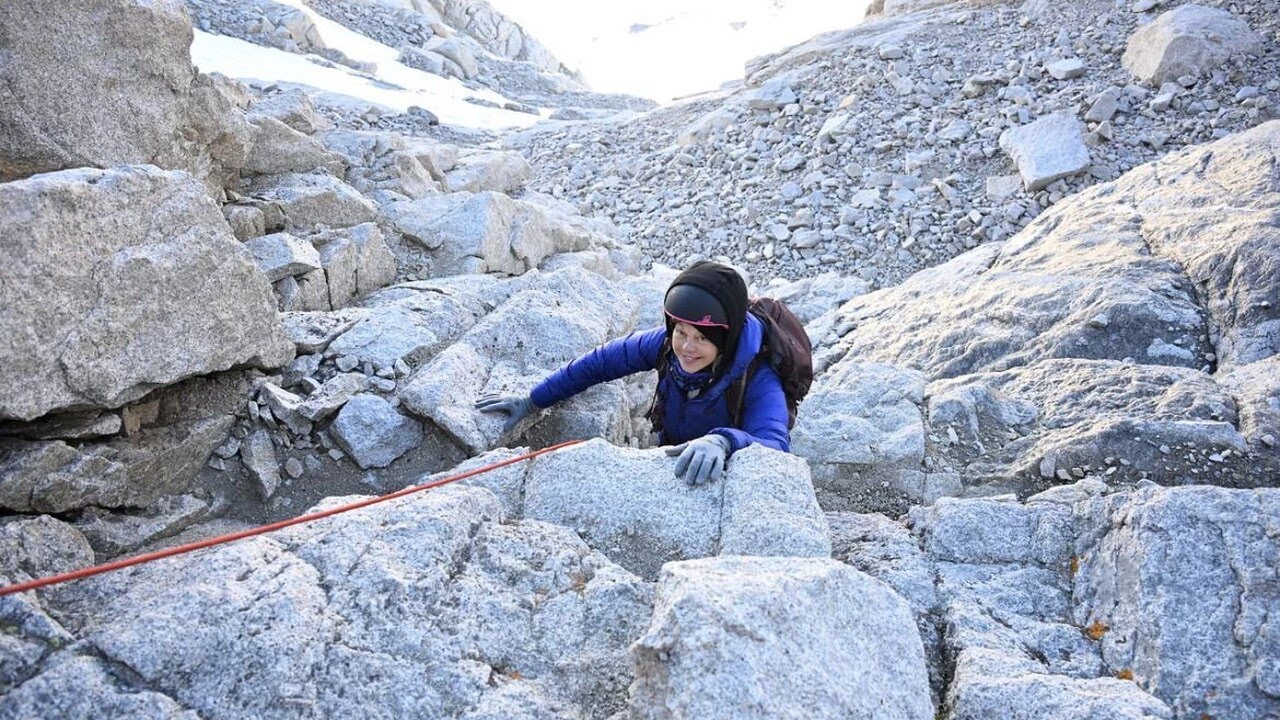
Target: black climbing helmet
<point x="695" y="306"/>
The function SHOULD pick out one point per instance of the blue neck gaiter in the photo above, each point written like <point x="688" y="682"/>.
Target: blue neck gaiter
<point x="690" y="384"/>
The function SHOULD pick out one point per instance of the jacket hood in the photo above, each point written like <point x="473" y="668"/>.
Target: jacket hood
<point x="749" y="343"/>
<point x="728" y="288"/>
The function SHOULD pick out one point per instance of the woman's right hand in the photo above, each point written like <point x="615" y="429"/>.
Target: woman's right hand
<point x="516" y="407"/>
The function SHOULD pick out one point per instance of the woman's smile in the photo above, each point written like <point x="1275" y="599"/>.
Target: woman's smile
<point x="693" y="350"/>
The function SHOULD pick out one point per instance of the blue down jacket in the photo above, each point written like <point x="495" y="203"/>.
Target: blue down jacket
<point x="764" y="405"/>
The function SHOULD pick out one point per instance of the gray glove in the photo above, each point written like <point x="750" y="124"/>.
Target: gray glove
<point x="516" y="407"/>
<point x="702" y="459"/>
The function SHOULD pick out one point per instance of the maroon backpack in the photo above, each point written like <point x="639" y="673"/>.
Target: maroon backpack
<point x="788" y="351"/>
<point x="785" y="347"/>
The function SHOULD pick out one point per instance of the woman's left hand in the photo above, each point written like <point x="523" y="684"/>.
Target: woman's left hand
<point x="702" y="459"/>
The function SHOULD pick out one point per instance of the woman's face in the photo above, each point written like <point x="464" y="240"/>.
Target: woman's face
<point x="694" y="352"/>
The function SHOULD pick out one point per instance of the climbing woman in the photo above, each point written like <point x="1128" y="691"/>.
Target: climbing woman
<point x="713" y="397"/>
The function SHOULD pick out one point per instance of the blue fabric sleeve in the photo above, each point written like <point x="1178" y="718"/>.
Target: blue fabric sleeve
<point x="633" y="353"/>
<point x="764" y="414"/>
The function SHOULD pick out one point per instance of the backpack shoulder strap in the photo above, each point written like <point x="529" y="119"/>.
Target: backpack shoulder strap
<point x="737" y="392"/>
<point x="655" y="408"/>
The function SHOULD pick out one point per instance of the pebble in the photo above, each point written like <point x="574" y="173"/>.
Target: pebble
<point x="347" y="363"/>
<point x="1068" y="69"/>
<point x="890" y="52"/>
<point x="1248" y="92"/>
<point x="293" y="468"/>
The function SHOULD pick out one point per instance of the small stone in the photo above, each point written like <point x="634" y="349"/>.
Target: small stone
<point x="791" y="162"/>
<point x="1104" y="106"/>
<point x="1047" y="150"/>
<point x="228" y="449"/>
<point x="1067" y="69"/>
<point x="293" y="468"/>
<point x="1248" y="92"/>
<point x="1002" y="187"/>
<point x="347" y="363"/>
<point x="890" y="52"/>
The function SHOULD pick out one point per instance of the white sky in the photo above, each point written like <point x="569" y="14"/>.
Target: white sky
<point x="690" y="46"/>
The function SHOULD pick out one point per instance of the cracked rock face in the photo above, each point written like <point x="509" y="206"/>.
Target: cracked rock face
<point x="123" y="280"/>
<point x="547" y="321"/>
<point x="1145" y="604"/>
<point x="741" y="637"/>
<point x="629" y="505"/>
<point x="1184" y="581"/>
<point x="430" y="607"/>
<point x="1115" y="334"/>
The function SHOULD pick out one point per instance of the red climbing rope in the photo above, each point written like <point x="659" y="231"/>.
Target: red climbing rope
<point x="223" y="539"/>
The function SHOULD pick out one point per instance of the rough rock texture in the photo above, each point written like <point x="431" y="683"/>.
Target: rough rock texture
<point x="1056" y="420"/>
<point x="54" y="476"/>
<point x="112" y="534"/>
<point x="390" y="166"/>
<point x="1188" y="40"/>
<point x="484" y="172"/>
<point x="488" y="232"/>
<point x="886" y="550"/>
<point x="279" y="148"/>
<point x="117" y="88"/>
<point x="315" y="199"/>
<point x="373" y="432"/>
<point x="292" y="106"/>
<point x="496" y="32"/>
<point x="497" y="353"/>
<point x="410" y="322"/>
<point x="163" y="443"/>
<point x="428" y="606"/>
<point x="81" y="688"/>
<point x="263" y="22"/>
<point x="862" y="431"/>
<point x="281" y="255"/>
<point x="1004" y="574"/>
<point x="629" y="504"/>
<point x="120" y="281"/>
<point x="769" y="507"/>
<point x="32" y="548"/>
<point x="1183" y="581"/>
<point x="626" y="503"/>
<point x="1046" y="150"/>
<point x="1107" y="337"/>
<point x="778" y="638"/>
